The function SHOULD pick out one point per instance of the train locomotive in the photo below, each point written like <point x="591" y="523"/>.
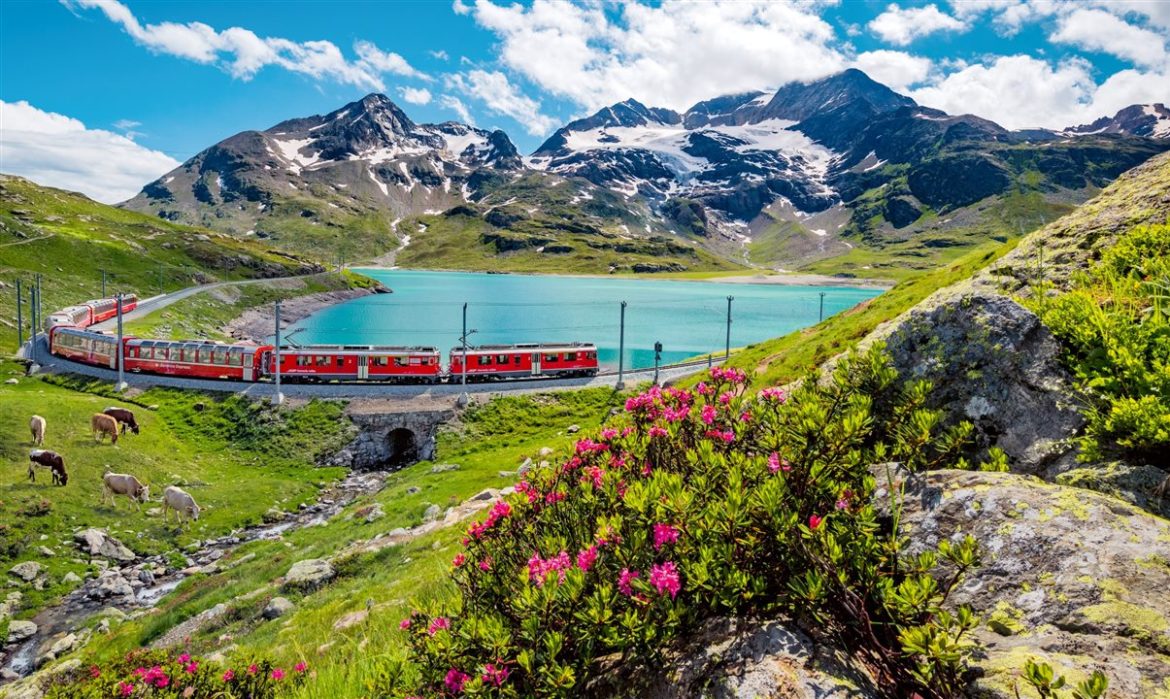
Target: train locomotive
<point x="71" y="338"/>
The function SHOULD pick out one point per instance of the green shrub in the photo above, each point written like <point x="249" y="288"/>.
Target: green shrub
<point x="705" y="503"/>
<point x="1114" y="326"/>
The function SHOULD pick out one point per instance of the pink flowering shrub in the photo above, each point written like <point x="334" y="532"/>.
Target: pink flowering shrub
<point x="163" y="675"/>
<point x="683" y="509"/>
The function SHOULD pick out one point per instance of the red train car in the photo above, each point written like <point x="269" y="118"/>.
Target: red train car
<point x="84" y="346"/>
<point x="104" y="309"/>
<point x="361" y="363"/>
<point x="488" y="362"/>
<point x="196" y="359"/>
<point x="75" y="316"/>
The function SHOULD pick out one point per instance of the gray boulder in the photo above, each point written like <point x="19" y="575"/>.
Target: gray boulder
<point x="111" y="584"/>
<point x="96" y="542"/>
<point x="432" y="513"/>
<point x="19" y="629"/>
<point x="736" y="659"/>
<point x="1070" y="577"/>
<point x="27" y="571"/>
<point x="277" y="607"/>
<point x="309" y="573"/>
<point x="443" y="468"/>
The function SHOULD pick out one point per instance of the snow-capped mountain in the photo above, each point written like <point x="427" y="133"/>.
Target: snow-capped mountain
<point x="1149" y="120"/>
<point x="367" y="151"/>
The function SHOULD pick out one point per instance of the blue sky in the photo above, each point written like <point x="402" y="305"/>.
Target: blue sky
<point x="103" y="96"/>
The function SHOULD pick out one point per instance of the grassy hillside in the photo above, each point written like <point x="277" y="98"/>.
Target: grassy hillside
<point x="238" y="459"/>
<point x="488" y="446"/>
<point x="69" y="239"/>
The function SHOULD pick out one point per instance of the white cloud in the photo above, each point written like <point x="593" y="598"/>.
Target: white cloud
<point x="500" y="96"/>
<point x="242" y="53"/>
<point x="669" y="55"/>
<point x="59" y="151"/>
<point x="415" y="95"/>
<point x="1022" y="91"/>
<point x="440" y="55"/>
<point x="456" y="105"/>
<point x="900" y="26"/>
<point x="1097" y="30"/>
<point x="895" y="69"/>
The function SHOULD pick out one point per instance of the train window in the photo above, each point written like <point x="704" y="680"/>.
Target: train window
<point x="593" y="355"/>
<point x="550" y="357"/>
<point x="501" y="359"/>
<point x="237" y="358"/>
<point x="204" y="356"/>
<point x="483" y="360"/>
<point x="380" y="361"/>
<point x="219" y="356"/>
<point x="324" y="360"/>
<point x="567" y="356"/>
<point x="401" y="361"/>
<point x="415" y="361"/>
<point x="303" y="360"/>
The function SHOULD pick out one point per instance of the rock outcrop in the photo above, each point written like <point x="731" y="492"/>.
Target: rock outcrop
<point x="1070" y="577"/>
<point x="96" y="542"/>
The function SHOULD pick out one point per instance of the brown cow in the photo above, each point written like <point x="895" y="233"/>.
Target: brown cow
<point x="51" y="460"/>
<point x="115" y="484"/>
<point x="37" y="425"/>
<point x="103" y="424"/>
<point x="124" y="417"/>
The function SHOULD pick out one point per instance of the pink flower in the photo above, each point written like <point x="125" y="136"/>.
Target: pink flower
<point x="486" y="563"/>
<point x="252" y="669"/>
<point x="438" y="624"/>
<point x="775" y="463"/>
<point x="185" y="658"/>
<point x="586" y="558"/>
<point x="126" y="688"/>
<point x="664" y="578"/>
<point x="455" y="680"/>
<point x="459" y="560"/>
<point x="702" y="388"/>
<point x="278" y="674"/>
<point x="624" y="579"/>
<point x="554" y="497"/>
<point x="726" y="436"/>
<point x="609" y="433"/>
<point x="664" y="534"/>
<point x="814" y="521"/>
<point x="595" y="474"/>
<point x="540" y="569"/>
<point x="404" y="624"/>
<point x="191" y="667"/>
<point x="657" y="431"/>
<point x="745" y="416"/>
<point x="773" y="395"/>
<point x="229" y="675"/>
<point x="301" y="666"/>
<point x="842" y="504"/>
<point x="708" y="414"/>
<point x="494" y="675"/>
<point x="725" y="398"/>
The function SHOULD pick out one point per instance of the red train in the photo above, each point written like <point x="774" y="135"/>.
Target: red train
<point x="86" y="314"/>
<point x="344" y="363"/>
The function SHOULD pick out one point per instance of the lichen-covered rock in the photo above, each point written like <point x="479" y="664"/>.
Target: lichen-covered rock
<point x="26" y="571"/>
<point x="309" y="573"/>
<point x="992" y="363"/>
<point x="96" y="542"/>
<point x="20" y="629"/>
<point x="734" y="659"/>
<point x="1071" y="577"/>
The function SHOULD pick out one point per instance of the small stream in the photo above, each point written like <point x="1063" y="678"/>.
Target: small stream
<point x="148" y="580"/>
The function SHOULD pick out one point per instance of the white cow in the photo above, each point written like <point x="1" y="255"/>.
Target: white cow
<point x="179" y="500"/>
<point x="115" y="484"/>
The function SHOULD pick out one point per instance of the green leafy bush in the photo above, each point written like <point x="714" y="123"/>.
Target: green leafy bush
<point x="705" y="503"/>
<point x="161" y="675"/>
<point x="1048" y="685"/>
<point x="1115" y="327"/>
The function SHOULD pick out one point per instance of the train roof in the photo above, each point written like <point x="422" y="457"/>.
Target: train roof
<point x="200" y="344"/>
<point x="539" y="346"/>
<point x="319" y="349"/>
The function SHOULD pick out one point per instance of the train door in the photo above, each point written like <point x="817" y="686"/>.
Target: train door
<point x="363" y="371"/>
<point x="249" y="360"/>
<point x="536" y="363"/>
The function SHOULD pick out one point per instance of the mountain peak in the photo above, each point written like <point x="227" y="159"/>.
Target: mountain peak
<point x="1149" y="120"/>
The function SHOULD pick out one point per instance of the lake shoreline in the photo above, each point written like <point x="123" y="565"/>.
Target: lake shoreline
<point x="767" y="279"/>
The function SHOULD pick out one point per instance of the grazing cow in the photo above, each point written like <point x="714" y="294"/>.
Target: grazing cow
<point x="124" y="417"/>
<point x="115" y="484"/>
<point x="51" y="460"/>
<point x="37" y="425"/>
<point x="181" y="502"/>
<point x="103" y="424"/>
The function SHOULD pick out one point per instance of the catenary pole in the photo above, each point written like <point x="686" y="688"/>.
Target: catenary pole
<point x="19" y="315"/>
<point x="821" y="313"/>
<point x="120" y="350"/>
<point x="276" y="349"/>
<point x="463" y="378"/>
<point x="727" y="345"/>
<point x="622" y="348"/>
<point x="104" y="284"/>
<point x="32" y="304"/>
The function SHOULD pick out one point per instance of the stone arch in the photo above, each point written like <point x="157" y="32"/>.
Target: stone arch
<point x="401" y="447"/>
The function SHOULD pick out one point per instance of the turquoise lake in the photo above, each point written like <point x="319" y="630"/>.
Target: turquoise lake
<point x="688" y="317"/>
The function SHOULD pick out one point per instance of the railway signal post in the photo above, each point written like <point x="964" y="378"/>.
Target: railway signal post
<point x="622" y="349"/>
<point x="821" y="314"/>
<point x="278" y="398"/>
<point x="119" y="351"/>
<point x="727" y="346"/>
<point x="657" y="359"/>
